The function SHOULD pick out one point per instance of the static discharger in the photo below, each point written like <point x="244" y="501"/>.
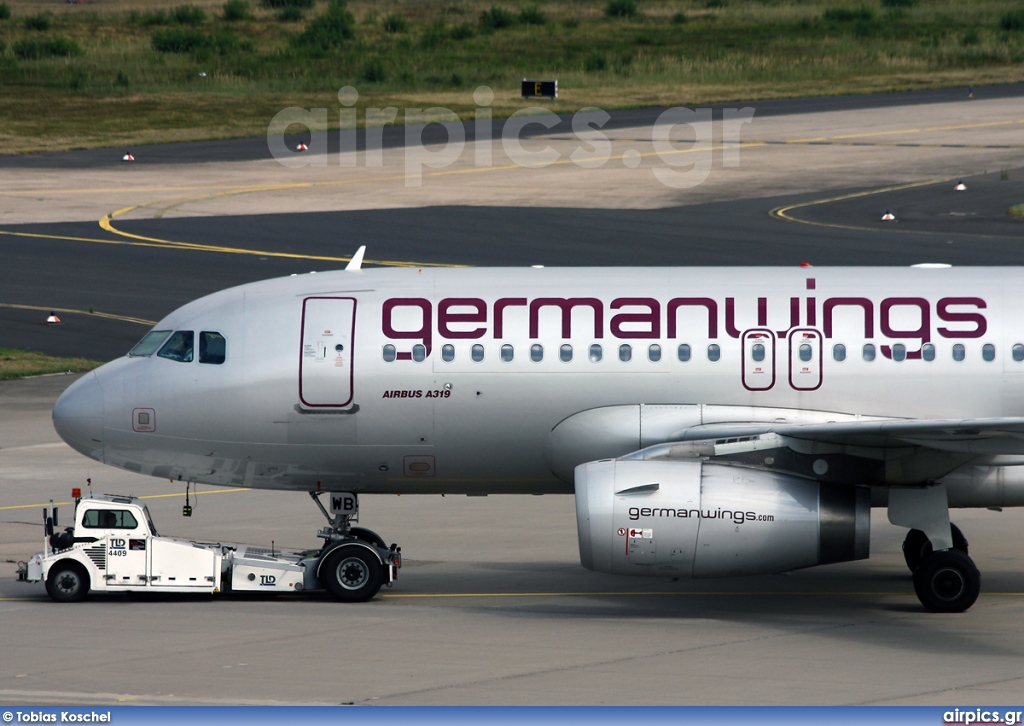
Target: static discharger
<point x="888" y="216"/>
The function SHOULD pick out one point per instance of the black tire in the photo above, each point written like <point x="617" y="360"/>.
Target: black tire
<point x="916" y="547"/>
<point x="947" y="582"/>
<point x="367" y="535"/>
<point x="67" y="582"/>
<point x="351" y="574"/>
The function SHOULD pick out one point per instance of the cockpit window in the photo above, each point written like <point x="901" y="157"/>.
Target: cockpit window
<point x="179" y="347"/>
<point x="212" y="348"/>
<point x="149" y="344"/>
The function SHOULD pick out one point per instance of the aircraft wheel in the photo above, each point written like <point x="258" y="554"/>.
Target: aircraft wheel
<point x="947" y="582"/>
<point x="351" y="574"/>
<point x="67" y="582"/>
<point x="367" y="535"/>
<point x="916" y="546"/>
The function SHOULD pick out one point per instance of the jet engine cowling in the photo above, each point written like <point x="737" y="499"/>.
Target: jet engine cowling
<point x="695" y="519"/>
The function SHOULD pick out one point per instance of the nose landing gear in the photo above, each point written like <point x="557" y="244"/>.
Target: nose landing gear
<point x="354" y="562"/>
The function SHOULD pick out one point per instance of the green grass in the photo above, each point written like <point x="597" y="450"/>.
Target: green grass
<point x="151" y="70"/>
<point x="23" y="363"/>
<point x="1017" y="210"/>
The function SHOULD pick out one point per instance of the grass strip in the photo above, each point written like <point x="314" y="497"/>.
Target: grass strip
<point x="127" y="72"/>
<point x="24" y="363"/>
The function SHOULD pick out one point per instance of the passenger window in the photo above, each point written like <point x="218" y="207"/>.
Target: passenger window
<point x="388" y="353"/>
<point x="507" y="353"/>
<point x="928" y="351"/>
<point x="757" y="352"/>
<point x="596" y="353"/>
<point x="988" y="352"/>
<point x="179" y="347"/>
<point x="565" y="353"/>
<point x="477" y="353"/>
<point x="212" y="348"/>
<point x="1018" y="352"/>
<point x="447" y="352"/>
<point x="654" y="353"/>
<point x="714" y="352"/>
<point x="419" y="352"/>
<point x="625" y="352"/>
<point x="684" y="352"/>
<point x="109" y="519"/>
<point x="899" y="352"/>
<point x="839" y="352"/>
<point x="805" y="352"/>
<point x="869" y="352"/>
<point x="536" y="352"/>
<point x="149" y="344"/>
<point x="959" y="353"/>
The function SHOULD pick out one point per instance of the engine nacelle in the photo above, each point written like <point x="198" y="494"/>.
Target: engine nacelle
<point x="693" y="519"/>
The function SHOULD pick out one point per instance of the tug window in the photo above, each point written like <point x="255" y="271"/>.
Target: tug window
<point x="596" y="353"/>
<point x="212" y="348"/>
<point x="149" y="344"/>
<point x="179" y="347"/>
<point x="507" y="353"/>
<point x="109" y="519"/>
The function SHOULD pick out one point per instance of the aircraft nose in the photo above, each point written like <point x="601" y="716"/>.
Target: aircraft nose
<point x="78" y="416"/>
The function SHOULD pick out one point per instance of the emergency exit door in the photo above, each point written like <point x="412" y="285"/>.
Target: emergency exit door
<point x="325" y="363"/>
<point x="758" y="359"/>
<point x="805" y="359"/>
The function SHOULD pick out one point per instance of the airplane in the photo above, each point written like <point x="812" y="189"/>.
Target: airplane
<point x="710" y="422"/>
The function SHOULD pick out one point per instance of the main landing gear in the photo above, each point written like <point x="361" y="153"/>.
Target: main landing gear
<point x="945" y="578"/>
<point x="354" y="561"/>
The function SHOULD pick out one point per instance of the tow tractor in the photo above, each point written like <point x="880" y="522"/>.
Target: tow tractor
<point x="114" y="547"/>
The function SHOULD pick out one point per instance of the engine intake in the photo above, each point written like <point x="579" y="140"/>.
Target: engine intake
<point x="693" y="519"/>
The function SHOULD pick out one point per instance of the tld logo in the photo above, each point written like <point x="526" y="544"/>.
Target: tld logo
<point x="267" y="580"/>
<point x="118" y="544"/>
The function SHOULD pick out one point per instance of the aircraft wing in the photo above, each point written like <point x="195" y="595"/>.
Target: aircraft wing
<point x="990" y="436"/>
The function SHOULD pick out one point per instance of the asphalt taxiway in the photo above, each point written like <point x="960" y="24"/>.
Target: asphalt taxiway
<point x="493" y="606"/>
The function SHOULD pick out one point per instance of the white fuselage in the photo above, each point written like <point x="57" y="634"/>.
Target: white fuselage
<point x="367" y="381"/>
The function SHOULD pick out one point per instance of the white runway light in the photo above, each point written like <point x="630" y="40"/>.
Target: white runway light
<point x="888" y="216"/>
<point x="960" y="187"/>
<point x="127" y="156"/>
<point x="53" y="319"/>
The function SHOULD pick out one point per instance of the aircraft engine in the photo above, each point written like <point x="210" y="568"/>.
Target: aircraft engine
<point x="694" y="519"/>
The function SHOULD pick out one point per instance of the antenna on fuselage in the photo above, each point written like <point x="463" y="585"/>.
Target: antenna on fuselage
<point x="356" y="263"/>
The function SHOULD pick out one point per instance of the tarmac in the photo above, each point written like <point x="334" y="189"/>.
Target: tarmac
<point x="492" y="606"/>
